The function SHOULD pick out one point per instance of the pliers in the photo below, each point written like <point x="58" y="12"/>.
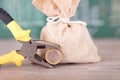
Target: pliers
<point x="29" y="47"/>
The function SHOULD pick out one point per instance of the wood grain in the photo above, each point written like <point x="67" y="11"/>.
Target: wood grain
<point x="107" y="69"/>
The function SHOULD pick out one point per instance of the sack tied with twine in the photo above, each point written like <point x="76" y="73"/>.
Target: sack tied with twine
<point x="72" y="36"/>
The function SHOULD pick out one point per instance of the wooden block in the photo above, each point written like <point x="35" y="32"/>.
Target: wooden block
<point x="53" y="56"/>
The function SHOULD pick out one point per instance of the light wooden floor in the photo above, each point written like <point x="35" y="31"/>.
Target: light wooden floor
<point x="107" y="69"/>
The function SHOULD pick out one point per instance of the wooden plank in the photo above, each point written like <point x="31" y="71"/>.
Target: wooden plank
<point x="107" y="69"/>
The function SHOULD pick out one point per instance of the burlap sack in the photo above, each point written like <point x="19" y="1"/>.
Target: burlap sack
<point x="73" y="37"/>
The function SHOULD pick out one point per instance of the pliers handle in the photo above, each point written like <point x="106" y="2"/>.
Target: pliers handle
<point x="12" y="57"/>
<point x="18" y="33"/>
<point x="13" y="26"/>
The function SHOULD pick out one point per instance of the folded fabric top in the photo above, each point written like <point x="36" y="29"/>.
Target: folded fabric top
<point x="52" y="8"/>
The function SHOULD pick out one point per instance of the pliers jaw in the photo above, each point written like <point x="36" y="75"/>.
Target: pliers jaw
<point x="29" y="50"/>
<point x="36" y="59"/>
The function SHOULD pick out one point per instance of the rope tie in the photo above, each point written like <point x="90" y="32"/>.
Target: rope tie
<point x="55" y="20"/>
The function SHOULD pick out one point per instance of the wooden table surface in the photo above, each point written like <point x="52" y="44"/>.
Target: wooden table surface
<point x="107" y="69"/>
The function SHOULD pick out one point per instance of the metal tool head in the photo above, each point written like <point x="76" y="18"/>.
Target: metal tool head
<point x="29" y="50"/>
<point x="39" y="61"/>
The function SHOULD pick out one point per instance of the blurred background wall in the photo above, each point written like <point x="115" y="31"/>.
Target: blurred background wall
<point x="102" y="17"/>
